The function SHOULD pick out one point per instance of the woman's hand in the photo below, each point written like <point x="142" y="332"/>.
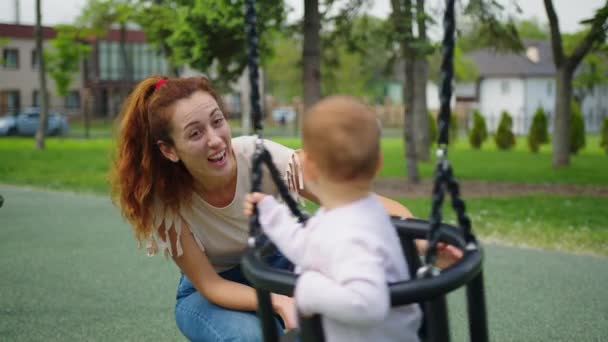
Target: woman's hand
<point x="252" y="199"/>
<point x="284" y="306"/>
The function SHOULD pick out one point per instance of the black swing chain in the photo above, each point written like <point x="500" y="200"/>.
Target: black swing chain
<point x="252" y="63"/>
<point x="444" y="177"/>
<point x="261" y="155"/>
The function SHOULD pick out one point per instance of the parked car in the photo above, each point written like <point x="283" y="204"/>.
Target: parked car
<point x="283" y="115"/>
<point x="8" y="125"/>
<point x="26" y="123"/>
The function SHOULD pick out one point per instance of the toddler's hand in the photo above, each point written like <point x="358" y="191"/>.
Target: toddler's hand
<point x="250" y="200"/>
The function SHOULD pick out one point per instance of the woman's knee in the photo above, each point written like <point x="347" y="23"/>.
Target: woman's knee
<point x="200" y="320"/>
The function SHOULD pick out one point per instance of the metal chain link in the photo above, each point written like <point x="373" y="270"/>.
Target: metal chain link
<point x="444" y="178"/>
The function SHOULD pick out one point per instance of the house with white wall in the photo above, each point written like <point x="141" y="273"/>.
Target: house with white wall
<point x="520" y="83"/>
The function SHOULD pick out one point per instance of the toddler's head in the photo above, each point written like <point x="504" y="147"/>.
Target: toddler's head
<point x="341" y="136"/>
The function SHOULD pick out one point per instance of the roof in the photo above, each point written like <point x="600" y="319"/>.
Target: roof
<point x="24" y="31"/>
<point x="27" y="32"/>
<point x="491" y="63"/>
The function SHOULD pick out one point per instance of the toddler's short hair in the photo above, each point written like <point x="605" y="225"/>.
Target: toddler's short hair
<point x="342" y="136"/>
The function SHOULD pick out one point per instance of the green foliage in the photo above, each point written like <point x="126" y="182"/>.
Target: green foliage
<point x="504" y="138"/>
<point x="3" y="42"/>
<point x="465" y="69"/>
<point x="432" y="128"/>
<point x="157" y="20"/>
<point x="100" y="15"/>
<point x="63" y="59"/>
<point x="604" y="135"/>
<point x="488" y="25"/>
<point x="210" y="36"/>
<point x="539" y="133"/>
<point x="453" y="133"/>
<point x="479" y="132"/>
<point x="283" y="72"/>
<point x="533" y="29"/>
<point x="577" y="129"/>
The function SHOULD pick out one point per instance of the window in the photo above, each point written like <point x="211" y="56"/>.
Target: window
<point x="72" y="100"/>
<point x="10" y="58"/>
<point x="10" y="101"/>
<point x="504" y="87"/>
<point x="35" y="60"/>
<point x="550" y="88"/>
<point x="36" y="98"/>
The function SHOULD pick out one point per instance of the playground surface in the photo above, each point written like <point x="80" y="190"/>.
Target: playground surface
<point x="70" y="271"/>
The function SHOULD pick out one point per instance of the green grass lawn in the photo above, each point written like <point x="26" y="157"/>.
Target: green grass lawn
<point x="79" y="164"/>
<point x="574" y="223"/>
<point x="490" y="164"/>
<point x="568" y="223"/>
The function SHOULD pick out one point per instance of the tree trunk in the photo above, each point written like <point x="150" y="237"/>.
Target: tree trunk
<point x="561" y="117"/>
<point x="409" y="57"/>
<point x="408" y="121"/>
<point x="421" y="119"/>
<point x="86" y="111"/>
<point x="311" y="53"/>
<point x="127" y="68"/>
<point x="44" y="99"/>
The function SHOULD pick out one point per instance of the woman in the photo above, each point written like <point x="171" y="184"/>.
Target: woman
<point x="180" y="180"/>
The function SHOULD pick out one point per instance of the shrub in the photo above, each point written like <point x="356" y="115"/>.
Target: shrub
<point x="453" y="134"/>
<point x="453" y="129"/>
<point x="479" y="132"/>
<point x="538" y="134"/>
<point x="505" y="139"/>
<point x="604" y="135"/>
<point x="577" y="129"/>
<point x="432" y="129"/>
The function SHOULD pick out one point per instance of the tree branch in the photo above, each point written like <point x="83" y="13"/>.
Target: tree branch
<point x="556" y="36"/>
<point x="597" y="29"/>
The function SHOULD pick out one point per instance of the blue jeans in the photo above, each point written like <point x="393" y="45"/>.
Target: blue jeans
<point x="200" y="320"/>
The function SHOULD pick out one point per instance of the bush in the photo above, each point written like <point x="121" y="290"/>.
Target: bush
<point x="577" y="129"/>
<point x="453" y="129"/>
<point x="432" y="129"/>
<point x="453" y="134"/>
<point x="479" y="132"/>
<point x="604" y="135"/>
<point x="505" y="139"/>
<point x="538" y="134"/>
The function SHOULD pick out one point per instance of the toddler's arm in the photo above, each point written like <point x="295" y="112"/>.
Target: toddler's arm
<point x="280" y="226"/>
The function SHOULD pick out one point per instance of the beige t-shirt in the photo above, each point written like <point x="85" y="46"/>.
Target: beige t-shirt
<point x="222" y="233"/>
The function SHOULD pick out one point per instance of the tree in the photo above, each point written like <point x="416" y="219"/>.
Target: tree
<point x="99" y="16"/>
<point x="577" y="129"/>
<point x="402" y="20"/>
<point x="421" y="76"/>
<point x="539" y="133"/>
<point x="565" y="65"/>
<point x="311" y="53"/>
<point x="479" y="132"/>
<point x="505" y="139"/>
<point x="604" y="135"/>
<point x="210" y="36"/>
<point x="44" y="102"/>
<point x="157" y="19"/>
<point x="64" y="59"/>
<point x="532" y="29"/>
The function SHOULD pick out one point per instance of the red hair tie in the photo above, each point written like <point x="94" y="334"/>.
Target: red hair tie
<point x="160" y="83"/>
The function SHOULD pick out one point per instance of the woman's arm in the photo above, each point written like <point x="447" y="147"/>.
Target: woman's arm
<point x="228" y="294"/>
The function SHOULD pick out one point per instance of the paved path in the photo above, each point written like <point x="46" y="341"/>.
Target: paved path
<point x="69" y="271"/>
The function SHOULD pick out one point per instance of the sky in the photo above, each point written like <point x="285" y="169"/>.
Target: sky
<point x="570" y="12"/>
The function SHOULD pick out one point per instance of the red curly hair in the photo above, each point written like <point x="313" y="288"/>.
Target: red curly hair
<point x="140" y="174"/>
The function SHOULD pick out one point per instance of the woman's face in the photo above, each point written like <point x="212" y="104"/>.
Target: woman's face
<point x="201" y="137"/>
